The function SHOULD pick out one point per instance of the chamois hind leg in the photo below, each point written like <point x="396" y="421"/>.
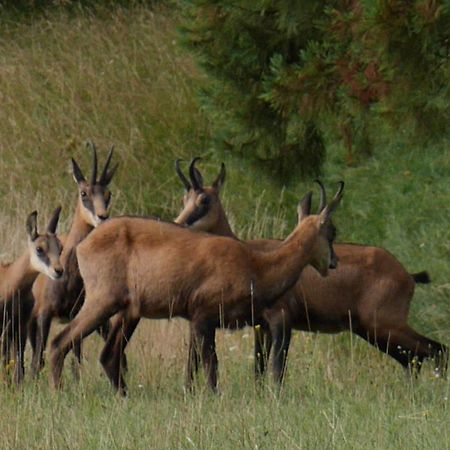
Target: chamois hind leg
<point x="263" y="346"/>
<point x="405" y="346"/>
<point x="91" y="316"/>
<point x="429" y="349"/>
<point x="113" y="354"/>
<point x="204" y="335"/>
<point x="39" y="332"/>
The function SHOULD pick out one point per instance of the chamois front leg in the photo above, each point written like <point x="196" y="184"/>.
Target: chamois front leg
<point x="205" y="341"/>
<point x="113" y="354"/>
<point x="91" y="316"/>
<point x="39" y="332"/>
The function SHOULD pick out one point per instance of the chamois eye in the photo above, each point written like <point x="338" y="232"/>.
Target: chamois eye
<point x="83" y="193"/>
<point x="39" y="250"/>
<point x="205" y="201"/>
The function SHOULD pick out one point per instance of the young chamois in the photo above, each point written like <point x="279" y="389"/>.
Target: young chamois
<point x="16" y="279"/>
<point x="369" y="293"/>
<point x="141" y="267"/>
<point x="62" y="299"/>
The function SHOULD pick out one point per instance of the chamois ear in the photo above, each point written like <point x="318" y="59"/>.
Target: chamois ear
<point x="218" y="182"/>
<point x="328" y="211"/>
<point x="51" y="228"/>
<point x="77" y="173"/>
<point x="32" y="226"/>
<point x="304" y="206"/>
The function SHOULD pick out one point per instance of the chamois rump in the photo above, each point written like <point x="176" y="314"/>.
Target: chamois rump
<point x="139" y="267"/>
<point x="369" y="293"/>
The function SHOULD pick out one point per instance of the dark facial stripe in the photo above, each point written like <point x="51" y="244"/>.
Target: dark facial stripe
<point x="199" y="212"/>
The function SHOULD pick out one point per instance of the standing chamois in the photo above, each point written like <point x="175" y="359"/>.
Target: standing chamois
<point x="140" y="267"/>
<point x="16" y="279"/>
<point x="369" y="294"/>
<point x="63" y="299"/>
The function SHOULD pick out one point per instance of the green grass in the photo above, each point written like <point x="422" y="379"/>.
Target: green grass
<point x="119" y="76"/>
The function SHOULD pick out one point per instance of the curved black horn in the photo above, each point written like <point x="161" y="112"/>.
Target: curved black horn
<point x="331" y="207"/>
<point x="181" y="175"/>
<point x="51" y="227"/>
<point x="218" y="182"/>
<point x="323" y="197"/>
<point x="193" y="174"/>
<point x="94" y="161"/>
<point x="104" y="176"/>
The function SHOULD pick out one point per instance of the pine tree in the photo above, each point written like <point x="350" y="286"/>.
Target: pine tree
<point x="283" y="73"/>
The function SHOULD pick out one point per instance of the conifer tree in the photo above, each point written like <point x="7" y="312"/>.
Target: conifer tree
<point x="284" y="73"/>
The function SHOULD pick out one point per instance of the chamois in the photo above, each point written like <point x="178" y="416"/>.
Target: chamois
<point x="16" y="279"/>
<point x="141" y="267"/>
<point x="62" y="299"/>
<point x="369" y="294"/>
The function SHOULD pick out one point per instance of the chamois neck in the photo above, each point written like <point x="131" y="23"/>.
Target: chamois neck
<point x="223" y="227"/>
<point x="78" y="230"/>
<point x="281" y="267"/>
<point x="17" y="276"/>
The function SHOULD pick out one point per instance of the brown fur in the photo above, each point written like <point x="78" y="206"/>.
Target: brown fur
<point x="369" y="294"/>
<point x="16" y="280"/>
<point x="62" y="299"/>
<point x="148" y="268"/>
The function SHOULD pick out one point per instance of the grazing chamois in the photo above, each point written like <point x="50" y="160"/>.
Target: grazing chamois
<point x="369" y="293"/>
<point x="62" y="299"/>
<point x="16" y="279"/>
<point x="141" y="267"/>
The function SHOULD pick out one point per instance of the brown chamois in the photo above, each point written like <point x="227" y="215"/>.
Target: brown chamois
<point x="16" y="279"/>
<point x="62" y="299"/>
<point x="369" y="293"/>
<point x="141" y="267"/>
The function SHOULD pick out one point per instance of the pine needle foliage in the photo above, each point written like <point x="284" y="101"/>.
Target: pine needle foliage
<point x="288" y="76"/>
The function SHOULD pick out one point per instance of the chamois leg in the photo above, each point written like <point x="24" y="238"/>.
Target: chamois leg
<point x="263" y="346"/>
<point x="41" y="332"/>
<point x="428" y="348"/>
<point x="406" y="346"/>
<point x="113" y="355"/>
<point x="6" y="343"/>
<point x="281" y="331"/>
<point x="90" y="317"/>
<point x="193" y="360"/>
<point x="205" y="340"/>
<point x="19" y="336"/>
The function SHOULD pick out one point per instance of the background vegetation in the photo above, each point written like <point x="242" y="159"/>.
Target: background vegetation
<point x="118" y="75"/>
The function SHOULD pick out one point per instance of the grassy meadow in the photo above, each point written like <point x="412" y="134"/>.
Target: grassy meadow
<point x="118" y="76"/>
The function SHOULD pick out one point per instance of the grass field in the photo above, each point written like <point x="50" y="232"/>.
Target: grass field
<point x="119" y="77"/>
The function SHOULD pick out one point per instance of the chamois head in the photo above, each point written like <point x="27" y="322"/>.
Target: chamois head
<point x="94" y="195"/>
<point x="45" y="249"/>
<point x="323" y="256"/>
<point x="202" y="208"/>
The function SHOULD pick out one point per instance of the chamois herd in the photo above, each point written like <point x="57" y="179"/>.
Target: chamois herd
<point x="106" y="274"/>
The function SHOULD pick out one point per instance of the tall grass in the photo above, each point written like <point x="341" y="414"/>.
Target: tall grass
<point x="118" y="76"/>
